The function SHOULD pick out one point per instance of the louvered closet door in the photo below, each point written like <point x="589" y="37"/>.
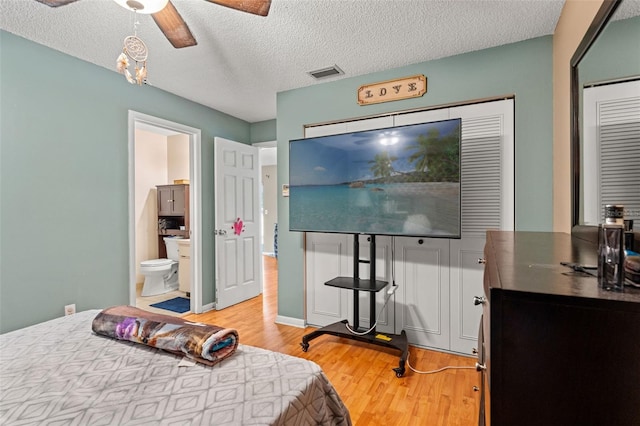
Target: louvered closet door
<point x="436" y="306"/>
<point x="488" y="202"/>
<point x="611" y="150"/>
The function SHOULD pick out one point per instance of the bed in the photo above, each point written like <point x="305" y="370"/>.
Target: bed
<point x="60" y="372"/>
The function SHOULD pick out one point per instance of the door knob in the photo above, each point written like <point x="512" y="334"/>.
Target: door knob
<point x="480" y="367"/>
<point x="479" y="300"/>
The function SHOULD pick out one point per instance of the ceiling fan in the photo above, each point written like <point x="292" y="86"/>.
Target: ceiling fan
<point x="169" y="20"/>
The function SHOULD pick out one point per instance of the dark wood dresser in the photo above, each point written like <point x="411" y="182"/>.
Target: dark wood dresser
<point x="557" y="349"/>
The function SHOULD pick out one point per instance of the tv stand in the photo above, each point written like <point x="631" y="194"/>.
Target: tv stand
<point x="371" y="285"/>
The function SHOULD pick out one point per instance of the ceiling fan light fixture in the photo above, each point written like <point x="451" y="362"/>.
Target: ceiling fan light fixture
<point x="143" y="6"/>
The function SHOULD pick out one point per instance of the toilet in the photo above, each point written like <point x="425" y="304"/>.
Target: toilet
<point x="161" y="275"/>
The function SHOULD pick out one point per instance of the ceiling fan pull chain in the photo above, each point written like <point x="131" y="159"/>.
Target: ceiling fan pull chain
<point x="135" y="22"/>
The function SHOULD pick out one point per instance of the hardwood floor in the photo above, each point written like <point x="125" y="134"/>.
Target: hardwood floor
<point x="361" y="373"/>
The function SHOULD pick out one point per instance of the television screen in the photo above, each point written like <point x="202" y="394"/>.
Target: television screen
<point x="395" y="181"/>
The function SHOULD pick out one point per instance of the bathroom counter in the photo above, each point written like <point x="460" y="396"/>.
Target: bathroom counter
<point x="184" y="268"/>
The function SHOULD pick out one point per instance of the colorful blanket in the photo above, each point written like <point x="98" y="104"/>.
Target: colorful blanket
<point x="208" y="344"/>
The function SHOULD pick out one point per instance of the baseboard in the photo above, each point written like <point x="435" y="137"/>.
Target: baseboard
<point x="294" y="322"/>
<point x="208" y="307"/>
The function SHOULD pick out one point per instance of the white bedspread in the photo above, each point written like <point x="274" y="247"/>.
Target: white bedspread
<point x="59" y="372"/>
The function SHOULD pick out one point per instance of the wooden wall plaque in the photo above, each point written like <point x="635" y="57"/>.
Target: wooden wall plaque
<point x="392" y="90"/>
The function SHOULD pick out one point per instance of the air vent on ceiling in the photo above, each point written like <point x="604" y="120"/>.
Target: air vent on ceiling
<point x="326" y="72"/>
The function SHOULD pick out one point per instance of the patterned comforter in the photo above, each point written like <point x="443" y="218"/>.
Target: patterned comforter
<point x="59" y="372"/>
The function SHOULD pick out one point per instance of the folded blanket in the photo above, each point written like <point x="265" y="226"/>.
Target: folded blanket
<point x="208" y="344"/>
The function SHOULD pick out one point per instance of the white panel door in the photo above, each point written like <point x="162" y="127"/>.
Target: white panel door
<point x="422" y="298"/>
<point x="237" y="242"/>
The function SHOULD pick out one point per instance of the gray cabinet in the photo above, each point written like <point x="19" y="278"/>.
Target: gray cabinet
<point x="173" y="213"/>
<point x="173" y="200"/>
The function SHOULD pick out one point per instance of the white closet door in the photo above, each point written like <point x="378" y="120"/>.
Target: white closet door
<point x="487" y="192"/>
<point x="487" y="167"/>
<point x="325" y="130"/>
<point x="331" y="255"/>
<point x="422" y="117"/>
<point x="611" y="150"/>
<point x="326" y="257"/>
<point x="384" y="317"/>
<point x="422" y="273"/>
<point x="422" y="298"/>
<point x="437" y="278"/>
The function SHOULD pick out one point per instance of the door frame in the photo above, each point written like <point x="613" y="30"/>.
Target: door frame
<point x="195" y="202"/>
<point x="260" y="146"/>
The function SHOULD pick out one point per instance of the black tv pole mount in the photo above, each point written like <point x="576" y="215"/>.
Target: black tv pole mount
<point x="339" y="329"/>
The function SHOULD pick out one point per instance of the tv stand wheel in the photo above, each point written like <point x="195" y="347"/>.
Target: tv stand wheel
<point x="305" y="346"/>
<point x="399" y="372"/>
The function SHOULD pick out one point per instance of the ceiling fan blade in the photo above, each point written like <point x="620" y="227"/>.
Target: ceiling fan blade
<point x="173" y="27"/>
<point x="257" y="7"/>
<point x="56" y="3"/>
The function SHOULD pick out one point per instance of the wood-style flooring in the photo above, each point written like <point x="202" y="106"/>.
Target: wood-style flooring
<point x="362" y="373"/>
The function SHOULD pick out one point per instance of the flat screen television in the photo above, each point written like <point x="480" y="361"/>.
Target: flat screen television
<point x="402" y="181"/>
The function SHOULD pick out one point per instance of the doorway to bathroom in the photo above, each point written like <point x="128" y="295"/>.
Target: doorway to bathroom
<point x="164" y="215"/>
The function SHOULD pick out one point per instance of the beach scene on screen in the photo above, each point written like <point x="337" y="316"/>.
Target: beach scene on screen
<point x="397" y="181"/>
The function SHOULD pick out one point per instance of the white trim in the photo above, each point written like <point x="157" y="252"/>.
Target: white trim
<point x="195" y="201"/>
<point x="268" y="144"/>
<point x="294" y="322"/>
<point x="208" y="307"/>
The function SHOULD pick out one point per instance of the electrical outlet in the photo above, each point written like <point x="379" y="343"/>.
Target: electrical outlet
<point x="70" y="309"/>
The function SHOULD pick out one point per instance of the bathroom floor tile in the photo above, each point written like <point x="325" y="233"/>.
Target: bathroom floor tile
<point x="144" y="302"/>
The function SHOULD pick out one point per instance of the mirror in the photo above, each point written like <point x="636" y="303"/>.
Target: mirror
<point x="608" y="53"/>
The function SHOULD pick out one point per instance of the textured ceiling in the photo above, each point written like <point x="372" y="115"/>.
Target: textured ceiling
<point x="242" y="60"/>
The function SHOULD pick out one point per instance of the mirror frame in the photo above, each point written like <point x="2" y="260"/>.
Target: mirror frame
<point x="598" y="24"/>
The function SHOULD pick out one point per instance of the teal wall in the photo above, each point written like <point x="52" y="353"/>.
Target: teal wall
<point x="522" y="69"/>
<point x="263" y="131"/>
<point x="64" y="180"/>
<point x="615" y="54"/>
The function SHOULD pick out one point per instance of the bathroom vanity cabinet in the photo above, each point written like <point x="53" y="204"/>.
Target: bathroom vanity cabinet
<point x="173" y="213"/>
<point x="554" y="348"/>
